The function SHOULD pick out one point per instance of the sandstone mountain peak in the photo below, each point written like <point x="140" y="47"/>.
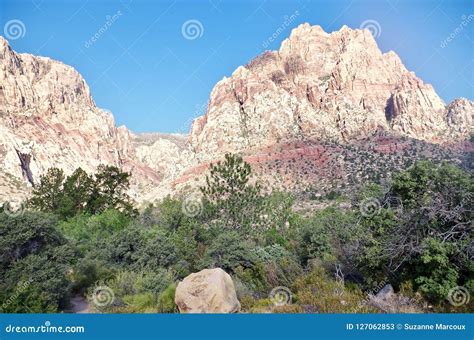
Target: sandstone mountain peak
<point x="328" y="86"/>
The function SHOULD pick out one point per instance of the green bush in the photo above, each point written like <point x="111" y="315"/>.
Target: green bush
<point x="315" y="292"/>
<point x="38" y="283"/>
<point x="136" y="292"/>
<point x="35" y="262"/>
<point x="30" y="233"/>
<point x="88" y="231"/>
<point x="228" y="251"/>
<point x="166" y="302"/>
<point x="428" y="240"/>
<point x="88" y="271"/>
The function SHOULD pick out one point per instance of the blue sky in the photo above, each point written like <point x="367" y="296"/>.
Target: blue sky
<point x="154" y="78"/>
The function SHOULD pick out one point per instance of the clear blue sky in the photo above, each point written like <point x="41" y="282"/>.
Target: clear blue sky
<point x="152" y="78"/>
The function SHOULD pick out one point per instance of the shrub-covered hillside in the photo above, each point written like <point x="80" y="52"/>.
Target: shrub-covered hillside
<point x="81" y="237"/>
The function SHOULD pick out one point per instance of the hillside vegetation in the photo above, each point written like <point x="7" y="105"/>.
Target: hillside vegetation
<point x="81" y="234"/>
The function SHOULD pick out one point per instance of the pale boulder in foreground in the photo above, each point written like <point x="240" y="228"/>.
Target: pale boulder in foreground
<point x="207" y="291"/>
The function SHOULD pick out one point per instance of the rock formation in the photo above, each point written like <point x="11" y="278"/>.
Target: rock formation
<point x="387" y="301"/>
<point x="321" y="111"/>
<point x="207" y="291"/>
<point x="49" y="119"/>
<point x="331" y="87"/>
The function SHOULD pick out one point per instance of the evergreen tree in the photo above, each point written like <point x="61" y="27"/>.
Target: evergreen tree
<point x="110" y="190"/>
<point x="82" y="193"/>
<point x="48" y="194"/>
<point x="230" y="197"/>
<point x="77" y="191"/>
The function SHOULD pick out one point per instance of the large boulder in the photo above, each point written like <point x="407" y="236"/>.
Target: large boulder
<point x="207" y="291"/>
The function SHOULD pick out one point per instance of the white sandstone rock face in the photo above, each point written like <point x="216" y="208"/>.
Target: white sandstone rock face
<point x="207" y="291"/>
<point x="460" y="115"/>
<point x="48" y="119"/>
<point x="165" y="153"/>
<point x="337" y="87"/>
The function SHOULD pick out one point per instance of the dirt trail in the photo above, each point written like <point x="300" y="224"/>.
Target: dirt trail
<point x="79" y="305"/>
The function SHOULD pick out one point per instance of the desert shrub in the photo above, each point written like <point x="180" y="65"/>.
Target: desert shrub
<point x="139" y="249"/>
<point x="436" y="275"/>
<point x="228" y="251"/>
<point x="270" y="253"/>
<point x="160" y="251"/>
<point x="37" y="283"/>
<point x="330" y="234"/>
<point x="140" y="303"/>
<point x="135" y="292"/>
<point x="250" y="304"/>
<point x="126" y="248"/>
<point x="427" y="239"/>
<point x="261" y="60"/>
<point x="35" y="261"/>
<point x="261" y="278"/>
<point x="87" y="271"/>
<point x="371" y="259"/>
<point x="157" y="281"/>
<point x="30" y="233"/>
<point x="294" y="65"/>
<point x="315" y="292"/>
<point x="278" y="77"/>
<point x="166" y="302"/>
<point x="169" y="214"/>
<point x="185" y="239"/>
<point x="87" y="231"/>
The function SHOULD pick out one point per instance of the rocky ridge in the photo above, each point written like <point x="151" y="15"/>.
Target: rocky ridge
<point x="49" y="119"/>
<point x="333" y="87"/>
<point x="319" y="112"/>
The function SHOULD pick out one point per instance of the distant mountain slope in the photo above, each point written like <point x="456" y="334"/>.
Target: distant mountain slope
<point x="49" y="119"/>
